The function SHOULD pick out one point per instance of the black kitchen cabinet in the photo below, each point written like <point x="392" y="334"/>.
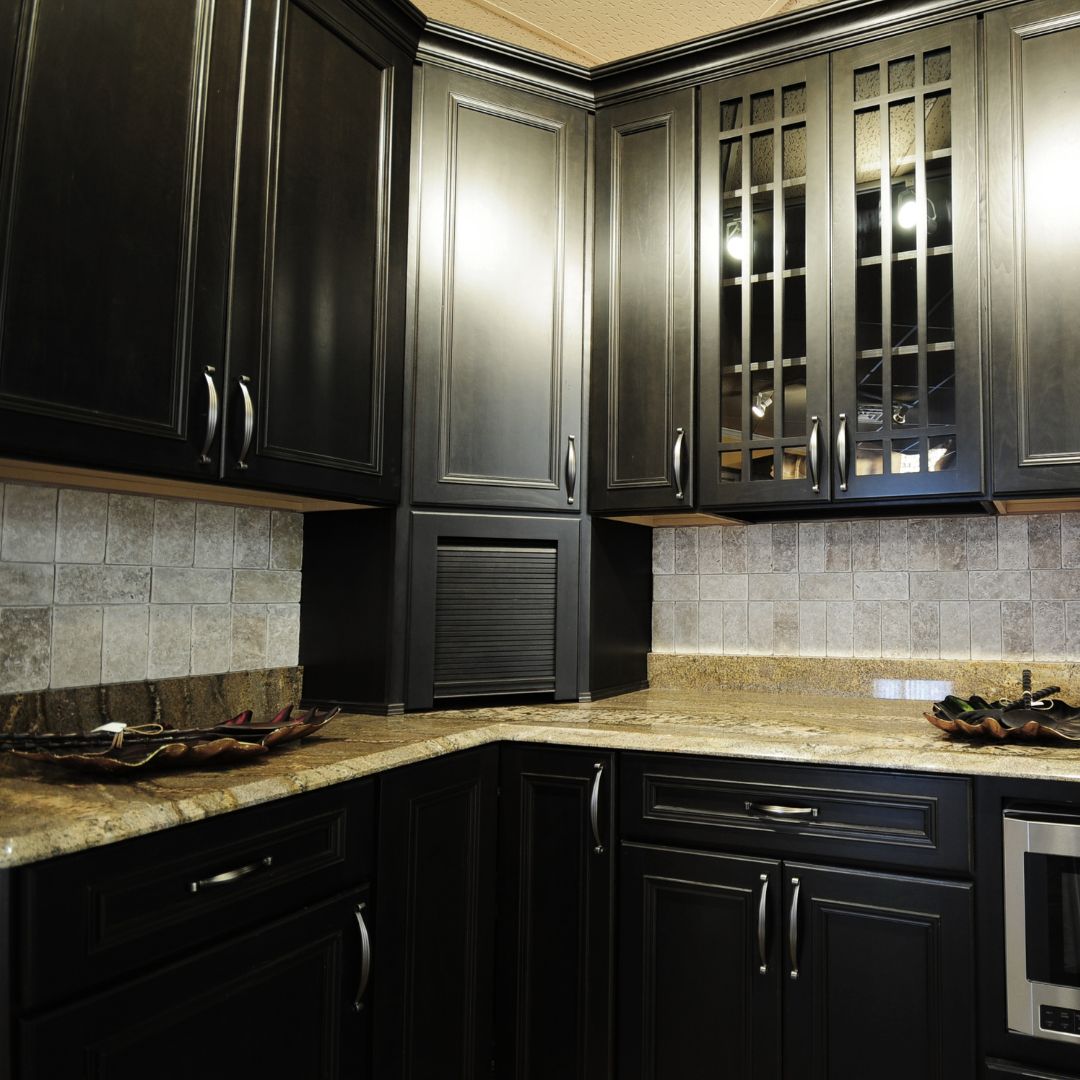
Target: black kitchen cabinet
<point x="554" y="966"/>
<point x="1004" y="1070"/>
<point x="500" y="296"/>
<point x="642" y="379"/>
<point x="1033" y="114"/>
<point x="434" y="962"/>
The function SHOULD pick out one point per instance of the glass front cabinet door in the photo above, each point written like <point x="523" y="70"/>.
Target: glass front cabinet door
<point x="764" y="288"/>
<point x="906" y="385"/>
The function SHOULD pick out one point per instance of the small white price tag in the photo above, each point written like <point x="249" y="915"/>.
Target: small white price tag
<point x="114" y="727"/>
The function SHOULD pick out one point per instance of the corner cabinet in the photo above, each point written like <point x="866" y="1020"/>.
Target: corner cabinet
<point x="500" y="297"/>
<point x="1033" y="132"/>
<point x="642" y="379"/>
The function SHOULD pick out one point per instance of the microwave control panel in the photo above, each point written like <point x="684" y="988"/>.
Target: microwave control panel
<point x="1063" y="1021"/>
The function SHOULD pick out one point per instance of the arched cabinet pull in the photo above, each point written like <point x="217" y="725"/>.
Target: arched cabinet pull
<point x="249" y="421"/>
<point x="842" y="451"/>
<point x="212" y="414"/>
<point x="571" y="469"/>
<point x="814" y="453"/>
<point x="594" y="808"/>
<point x="676" y="462"/>
<point x="365" y="957"/>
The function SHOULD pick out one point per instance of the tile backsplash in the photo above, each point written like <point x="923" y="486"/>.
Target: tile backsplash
<point x="98" y="588"/>
<point x="959" y="588"/>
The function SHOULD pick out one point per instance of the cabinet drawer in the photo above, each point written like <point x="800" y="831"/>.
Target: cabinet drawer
<point x="858" y="816"/>
<point x="1004" y="1070"/>
<point x="93" y="917"/>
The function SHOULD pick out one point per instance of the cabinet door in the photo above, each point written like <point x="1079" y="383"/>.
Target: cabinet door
<point x="115" y="204"/>
<point x="907" y="366"/>
<point x="317" y="305"/>
<point x="1033" y="139"/>
<point x="302" y="976"/>
<point x="499" y="297"/>
<point x="437" y="844"/>
<point x="878" y="969"/>
<point x="642" y="377"/>
<point x="556" y="891"/>
<point x="699" y="951"/>
<point x="764" y="288"/>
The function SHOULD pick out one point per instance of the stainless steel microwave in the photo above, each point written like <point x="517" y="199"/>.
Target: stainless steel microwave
<point x="1042" y="924"/>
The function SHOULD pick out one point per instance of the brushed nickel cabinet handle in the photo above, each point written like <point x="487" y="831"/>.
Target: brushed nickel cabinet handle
<point x="813" y="451"/>
<point x="793" y="929"/>
<point x="676" y="462"/>
<point x="229" y="876"/>
<point x="842" y="451"/>
<point x="211" y="414"/>
<point x="594" y="808"/>
<point x="776" y="810"/>
<point x="571" y="469"/>
<point x="365" y="957"/>
<point x="249" y="422"/>
<point x="762" y="928"/>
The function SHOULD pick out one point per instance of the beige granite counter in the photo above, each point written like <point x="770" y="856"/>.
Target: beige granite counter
<point x="45" y="811"/>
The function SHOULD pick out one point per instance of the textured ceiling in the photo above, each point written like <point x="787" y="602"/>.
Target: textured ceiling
<point x="594" y="32"/>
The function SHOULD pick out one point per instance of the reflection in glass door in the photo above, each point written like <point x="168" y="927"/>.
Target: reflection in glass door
<point x="763" y="288"/>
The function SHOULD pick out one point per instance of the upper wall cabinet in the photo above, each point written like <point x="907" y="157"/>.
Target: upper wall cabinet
<point x="500" y="297"/>
<point x="642" y="382"/>
<point x="155" y="317"/>
<point x="906" y="362"/>
<point x="764" y="287"/>
<point x="1033" y="142"/>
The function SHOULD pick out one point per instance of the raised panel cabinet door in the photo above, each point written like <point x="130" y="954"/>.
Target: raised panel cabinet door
<point x="878" y="975"/>
<point x="500" y="293"/>
<point x="556" y="894"/>
<point x="436" y="879"/>
<point x="174" y="1024"/>
<point x="642" y="374"/>
<point x="115" y="208"/>
<point x="1033" y="134"/>
<point x="699" y="955"/>
<point x="317" y="306"/>
<point x="764" y="288"/>
<point x="907" y="383"/>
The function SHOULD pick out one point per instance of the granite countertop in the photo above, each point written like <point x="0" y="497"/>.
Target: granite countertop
<point x="46" y="811"/>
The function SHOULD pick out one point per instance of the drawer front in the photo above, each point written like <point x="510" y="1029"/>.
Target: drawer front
<point x="101" y="914"/>
<point x="854" y="815"/>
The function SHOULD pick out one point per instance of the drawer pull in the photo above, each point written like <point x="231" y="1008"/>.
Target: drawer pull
<point x="594" y="809"/>
<point x="229" y="876"/>
<point x="249" y="421"/>
<point x="365" y="957"/>
<point x="571" y="469"/>
<point x="775" y="810"/>
<point x="793" y="929"/>
<point x="762" y="928"/>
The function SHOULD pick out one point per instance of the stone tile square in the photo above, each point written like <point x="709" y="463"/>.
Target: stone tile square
<point x="81" y="526"/>
<point x="249" y="637"/>
<point x="169" y="653"/>
<point x="925" y="628"/>
<point x="174" y="532"/>
<point x="102" y="584"/>
<point x="211" y="638"/>
<point x="786" y="628"/>
<point x="839" y="627"/>
<point x="29" y="524"/>
<point x="759" y="628"/>
<point x="952" y="551"/>
<point x="731" y="587"/>
<point x="25" y="648"/>
<point x="922" y="544"/>
<point x="282" y="635"/>
<point x="895" y="628"/>
<point x="985" y="630"/>
<point x="881" y="585"/>
<point x="675" y="586"/>
<point x="938" y="584"/>
<point x="774" y="586"/>
<point x="26" y="584"/>
<point x="785" y="547"/>
<point x="893" y="544"/>
<point x="1070" y="540"/>
<point x="663" y="624"/>
<point x="837" y="547"/>
<point x="759" y="558"/>
<point x="266" y="586"/>
<point x="1048" y="629"/>
<point x="811" y="547"/>
<point x="131" y="530"/>
<point x="1044" y="541"/>
<point x="734" y="540"/>
<point x="286" y="540"/>
<point x="736" y="629"/>
<point x="251" y="547"/>
<point x="982" y="544"/>
<point x="955" y="630"/>
<point x="1012" y="543"/>
<point x="215" y="535"/>
<point x="711" y="549"/>
<point x="711" y="627"/>
<point x="686" y="627"/>
<point x="76" y="646"/>
<point x="865" y="554"/>
<point x="125" y="643"/>
<point x="686" y="551"/>
<point x="866" y="628"/>
<point x="191" y="585"/>
<point x="825" y="586"/>
<point x="812" y="631"/>
<point x="1017" y="639"/>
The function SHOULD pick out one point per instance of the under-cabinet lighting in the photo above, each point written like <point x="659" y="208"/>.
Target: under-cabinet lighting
<point x="762" y="402"/>
<point x="736" y="246"/>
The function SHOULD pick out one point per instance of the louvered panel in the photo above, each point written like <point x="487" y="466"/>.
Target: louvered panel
<point x="495" y="612"/>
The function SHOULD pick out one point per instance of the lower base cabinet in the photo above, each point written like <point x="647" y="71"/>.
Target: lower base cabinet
<point x="1006" y="1070"/>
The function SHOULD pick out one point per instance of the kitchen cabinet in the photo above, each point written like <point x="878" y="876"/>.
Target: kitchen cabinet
<point x="554" y="966"/>
<point x="159" y="316"/>
<point x="435" y="961"/>
<point x="500" y="296"/>
<point x="1033" y="133"/>
<point x="642" y="430"/>
<point x="1004" y="1070"/>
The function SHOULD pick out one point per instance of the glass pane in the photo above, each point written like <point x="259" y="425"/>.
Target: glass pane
<point x="906" y="455"/>
<point x="794" y="228"/>
<point x="794" y="335"/>
<point x="868" y="147"/>
<point x="902" y="74"/>
<point x="731" y="164"/>
<point x="763" y="234"/>
<point x="942" y="453"/>
<point x="868" y="307"/>
<point x="793" y="463"/>
<point x="937" y="112"/>
<point x="905" y="390"/>
<point x="867" y="83"/>
<point x="868" y="375"/>
<point x="940" y="325"/>
<point x="794" y="150"/>
<point x="761" y="464"/>
<point x="731" y="114"/>
<point x="794" y="418"/>
<point x="734" y="249"/>
<point x="905" y="307"/>
<point x="731" y="408"/>
<point x="761" y="322"/>
<point x="941" y="387"/>
<point x="762" y="107"/>
<point x="902" y="138"/>
<point x="761" y="158"/>
<point x="731" y="466"/>
<point x="937" y="66"/>
<point x="868" y="456"/>
<point x="730" y="325"/>
<point x="762" y="405"/>
<point x="939" y="202"/>
<point x="795" y="100"/>
<point x="868" y="222"/>
<point x="905" y="210"/>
